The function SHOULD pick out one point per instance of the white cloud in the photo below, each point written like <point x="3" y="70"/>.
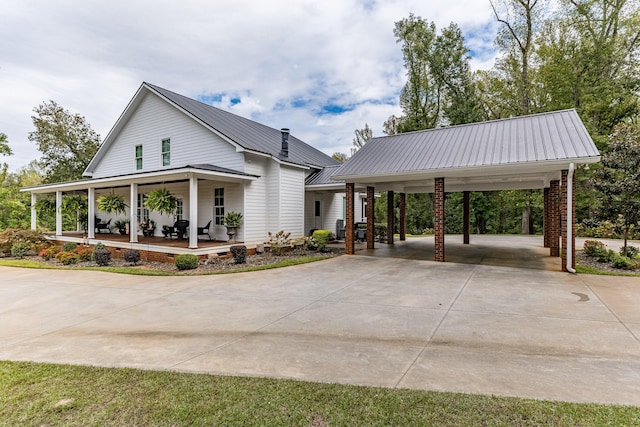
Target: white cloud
<point x="283" y="60"/>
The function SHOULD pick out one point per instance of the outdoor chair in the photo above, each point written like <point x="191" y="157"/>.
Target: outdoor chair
<point x="202" y="231"/>
<point x="103" y="225"/>
<point x="179" y="229"/>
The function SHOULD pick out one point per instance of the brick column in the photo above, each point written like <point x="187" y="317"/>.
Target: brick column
<point x="564" y="219"/>
<point x="465" y="217"/>
<point x="370" y="217"/>
<point x="545" y="218"/>
<point x="349" y="240"/>
<point x="438" y="219"/>
<point x="554" y="218"/>
<point x="403" y="216"/>
<point x="391" y="216"/>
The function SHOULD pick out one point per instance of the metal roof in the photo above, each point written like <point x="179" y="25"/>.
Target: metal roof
<point x="322" y="176"/>
<point x="534" y="140"/>
<point x="248" y="134"/>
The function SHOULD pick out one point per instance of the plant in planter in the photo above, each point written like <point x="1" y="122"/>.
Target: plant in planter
<point x="111" y="203"/>
<point x="147" y="226"/>
<point x="161" y="200"/>
<point x="121" y="225"/>
<point x="232" y="221"/>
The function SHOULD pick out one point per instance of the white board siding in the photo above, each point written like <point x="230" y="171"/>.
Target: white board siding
<point x="292" y="200"/>
<point x="331" y="205"/>
<point x="256" y="198"/>
<point x="155" y="120"/>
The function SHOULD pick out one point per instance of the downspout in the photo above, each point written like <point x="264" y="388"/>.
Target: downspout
<point x="570" y="218"/>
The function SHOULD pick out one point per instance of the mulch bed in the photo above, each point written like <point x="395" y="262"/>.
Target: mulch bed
<point x="592" y="262"/>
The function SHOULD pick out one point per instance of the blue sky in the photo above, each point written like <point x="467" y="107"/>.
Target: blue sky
<point x="320" y="68"/>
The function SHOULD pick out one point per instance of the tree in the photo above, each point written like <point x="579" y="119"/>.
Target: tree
<point x="67" y="142"/>
<point x="362" y="136"/>
<point x="340" y="157"/>
<point x="619" y="178"/>
<point x="5" y="150"/>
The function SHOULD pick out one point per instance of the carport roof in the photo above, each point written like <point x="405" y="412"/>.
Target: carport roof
<point x="520" y="152"/>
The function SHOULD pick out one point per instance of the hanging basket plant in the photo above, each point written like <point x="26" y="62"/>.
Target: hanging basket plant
<point x="111" y="203"/>
<point x="161" y="200"/>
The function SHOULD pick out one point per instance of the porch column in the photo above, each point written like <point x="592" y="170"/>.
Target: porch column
<point x="465" y="217"/>
<point x="403" y="216"/>
<point x="133" y="207"/>
<point x="391" y="217"/>
<point x="545" y="218"/>
<point x="568" y="205"/>
<point x="348" y="226"/>
<point x="371" y="223"/>
<point x="34" y="217"/>
<point x="554" y="218"/>
<point x="438" y="219"/>
<point x="91" y="213"/>
<point x="58" y="213"/>
<point x="193" y="212"/>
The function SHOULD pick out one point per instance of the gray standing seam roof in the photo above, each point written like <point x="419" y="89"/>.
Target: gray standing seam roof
<point x="322" y="177"/>
<point x="558" y="135"/>
<point x="248" y="134"/>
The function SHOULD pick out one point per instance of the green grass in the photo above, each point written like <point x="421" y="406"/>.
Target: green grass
<point x="585" y="269"/>
<point x="24" y="263"/>
<point x="34" y="394"/>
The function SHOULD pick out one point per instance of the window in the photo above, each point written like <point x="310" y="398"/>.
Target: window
<point x="138" y="157"/>
<point x="317" y="208"/>
<point x="218" y="206"/>
<point x="364" y="208"/>
<point x="179" y="209"/>
<point x="142" y="212"/>
<point x="166" y="152"/>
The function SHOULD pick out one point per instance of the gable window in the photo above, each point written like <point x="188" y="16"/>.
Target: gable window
<point x="166" y="152"/>
<point x="142" y="212"/>
<point x="138" y="157"/>
<point x="218" y="206"/>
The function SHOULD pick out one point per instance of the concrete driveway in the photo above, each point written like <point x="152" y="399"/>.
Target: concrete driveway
<point x="353" y="319"/>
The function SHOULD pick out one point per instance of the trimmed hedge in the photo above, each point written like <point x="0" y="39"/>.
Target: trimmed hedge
<point x="186" y="262"/>
<point x="321" y="238"/>
<point x="102" y="256"/>
<point x="132" y="256"/>
<point x="20" y="249"/>
<point x="239" y="253"/>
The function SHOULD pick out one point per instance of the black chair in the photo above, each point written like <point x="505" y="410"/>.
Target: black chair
<point x="179" y="229"/>
<point x="103" y="225"/>
<point x="205" y="230"/>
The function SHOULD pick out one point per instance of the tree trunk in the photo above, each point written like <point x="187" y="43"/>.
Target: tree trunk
<point x="526" y="220"/>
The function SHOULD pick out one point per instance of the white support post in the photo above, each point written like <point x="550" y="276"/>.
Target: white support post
<point x="34" y="217"/>
<point x="133" y="204"/>
<point x="193" y="212"/>
<point x="91" y="213"/>
<point x="58" y="213"/>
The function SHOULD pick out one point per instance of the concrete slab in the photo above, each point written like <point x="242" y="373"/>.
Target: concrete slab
<point x="351" y="319"/>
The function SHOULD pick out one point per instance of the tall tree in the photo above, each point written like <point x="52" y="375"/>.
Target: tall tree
<point x="5" y="150"/>
<point x="362" y="136"/>
<point x="340" y="157"/>
<point x="619" y="178"/>
<point x="67" y="142"/>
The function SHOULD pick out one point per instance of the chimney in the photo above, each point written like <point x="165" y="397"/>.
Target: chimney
<point x="285" y="142"/>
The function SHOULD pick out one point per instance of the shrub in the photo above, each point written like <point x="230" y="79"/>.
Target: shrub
<point x="632" y="251"/>
<point x="594" y="248"/>
<point x="278" y="242"/>
<point x="83" y="254"/>
<point x="49" y="252"/>
<point x="20" y="249"/>
<point x="97" y="247"/>
<point x="186" y="262"/>
<point x="607" y="256"/>
<point x="11" y="236"/>
<point x="239" y="253"/>
<point x="321" y="238"/>
<point x="66" y="258"/>
<point x="69" y="247"/>
<point x="380" y="231"/>
<point x="101" y="256"/>
<point x="623" y="262"/>
<point x="132" y="256"/>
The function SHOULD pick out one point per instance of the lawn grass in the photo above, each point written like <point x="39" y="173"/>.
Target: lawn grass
<point x="27" y="263"/>
<point x="34" y="394"/>
<point x="585" y="269"/>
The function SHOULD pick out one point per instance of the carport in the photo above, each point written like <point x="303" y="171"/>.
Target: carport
<point x="539" y="151"/>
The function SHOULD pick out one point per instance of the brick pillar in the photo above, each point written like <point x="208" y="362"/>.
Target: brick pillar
<point x="564" y="219"/>
<point x="403" y="216"/>
<point x="438" y="219"/>
<point x="370" y="217"/>
<point x="465" y="217"/>
<point x="545" y="218"/>
<point x="391" y="216"/>
<point x="554" y="218"/>
<point x="349" y="240"/>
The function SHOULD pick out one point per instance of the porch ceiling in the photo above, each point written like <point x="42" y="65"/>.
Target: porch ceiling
<point x="178" y="174"/>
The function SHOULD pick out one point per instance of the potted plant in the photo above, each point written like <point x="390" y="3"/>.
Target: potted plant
<point x="111" y="203"/>
<point x="147" y="226"/>
<point x="161" y="200"/>
<point x="121" y="225"/>
<point x="232" y="221"/>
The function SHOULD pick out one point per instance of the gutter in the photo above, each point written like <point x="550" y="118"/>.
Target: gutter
<point x="570" y="218"/>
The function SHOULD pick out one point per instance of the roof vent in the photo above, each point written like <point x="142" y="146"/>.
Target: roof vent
<point x="285" y="142"/>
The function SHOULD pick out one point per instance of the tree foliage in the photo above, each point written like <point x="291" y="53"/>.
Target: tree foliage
<point x="67" y="142"/>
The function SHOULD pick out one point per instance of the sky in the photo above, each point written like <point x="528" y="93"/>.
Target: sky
<point x="322" y="68"/>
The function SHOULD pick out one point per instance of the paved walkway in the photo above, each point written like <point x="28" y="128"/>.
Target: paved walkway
<point x="353" y="319"/>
